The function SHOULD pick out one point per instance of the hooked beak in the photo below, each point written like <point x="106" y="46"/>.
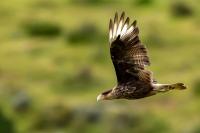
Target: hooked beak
<point x="99" y="97"/>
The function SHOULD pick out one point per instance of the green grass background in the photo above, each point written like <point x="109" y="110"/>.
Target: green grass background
<point x="54" y="61"/>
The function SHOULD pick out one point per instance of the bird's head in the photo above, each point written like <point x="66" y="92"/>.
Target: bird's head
<point x="107" y="95"/>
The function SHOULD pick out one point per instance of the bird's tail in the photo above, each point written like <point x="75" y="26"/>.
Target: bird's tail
<point x="178" y="86"/>
<point x="167" y="87"/>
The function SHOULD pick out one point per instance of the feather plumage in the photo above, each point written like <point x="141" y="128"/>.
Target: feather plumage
<point x="126" y="48"/>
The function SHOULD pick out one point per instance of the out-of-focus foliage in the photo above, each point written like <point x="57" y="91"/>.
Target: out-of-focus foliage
<point x="92" y="2"/>
<point x="86" y="34"/>
<point x="41" y="28"/>
<point x="6" y="125"/>
<point x="143" y="2"/>
<point x="196" y="88"/>
<point x="181" y="9"/>
<point x="54" y="61"/>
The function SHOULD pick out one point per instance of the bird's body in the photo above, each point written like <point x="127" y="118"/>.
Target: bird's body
<point x="129" y="57"/>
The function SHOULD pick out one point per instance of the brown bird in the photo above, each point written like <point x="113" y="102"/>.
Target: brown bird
<point x="129" y="57"/>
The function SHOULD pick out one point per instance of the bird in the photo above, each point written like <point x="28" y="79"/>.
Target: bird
<point x="130" y="58"/>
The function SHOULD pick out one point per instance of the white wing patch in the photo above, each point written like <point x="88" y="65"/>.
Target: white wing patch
<point x="120" y="27"/>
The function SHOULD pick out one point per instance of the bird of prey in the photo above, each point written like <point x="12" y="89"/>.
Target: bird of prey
<point x="129" y="57"/>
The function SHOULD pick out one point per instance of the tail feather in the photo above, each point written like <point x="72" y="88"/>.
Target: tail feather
<point x="178" y="86"/>
<point x="167" y="87"/>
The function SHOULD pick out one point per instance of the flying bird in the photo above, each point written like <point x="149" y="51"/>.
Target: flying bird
<point x="129" y="57"/>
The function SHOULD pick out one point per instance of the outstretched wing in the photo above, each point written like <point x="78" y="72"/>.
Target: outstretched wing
<point x="128" y="55"/>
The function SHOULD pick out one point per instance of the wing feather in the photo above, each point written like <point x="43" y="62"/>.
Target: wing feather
<point x="128" y="54"/>
<point x="110" y="30"/>
<point x="115" y="26"/>
<point x="125" y="27"/>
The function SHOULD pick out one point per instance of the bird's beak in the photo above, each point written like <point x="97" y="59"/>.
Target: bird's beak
<point x="99" y="97"/>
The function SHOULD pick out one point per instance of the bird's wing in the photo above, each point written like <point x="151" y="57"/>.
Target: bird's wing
<point x="128" y="55"/>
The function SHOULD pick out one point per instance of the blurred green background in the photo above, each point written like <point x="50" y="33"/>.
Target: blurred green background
<point x="54" y="61"/>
